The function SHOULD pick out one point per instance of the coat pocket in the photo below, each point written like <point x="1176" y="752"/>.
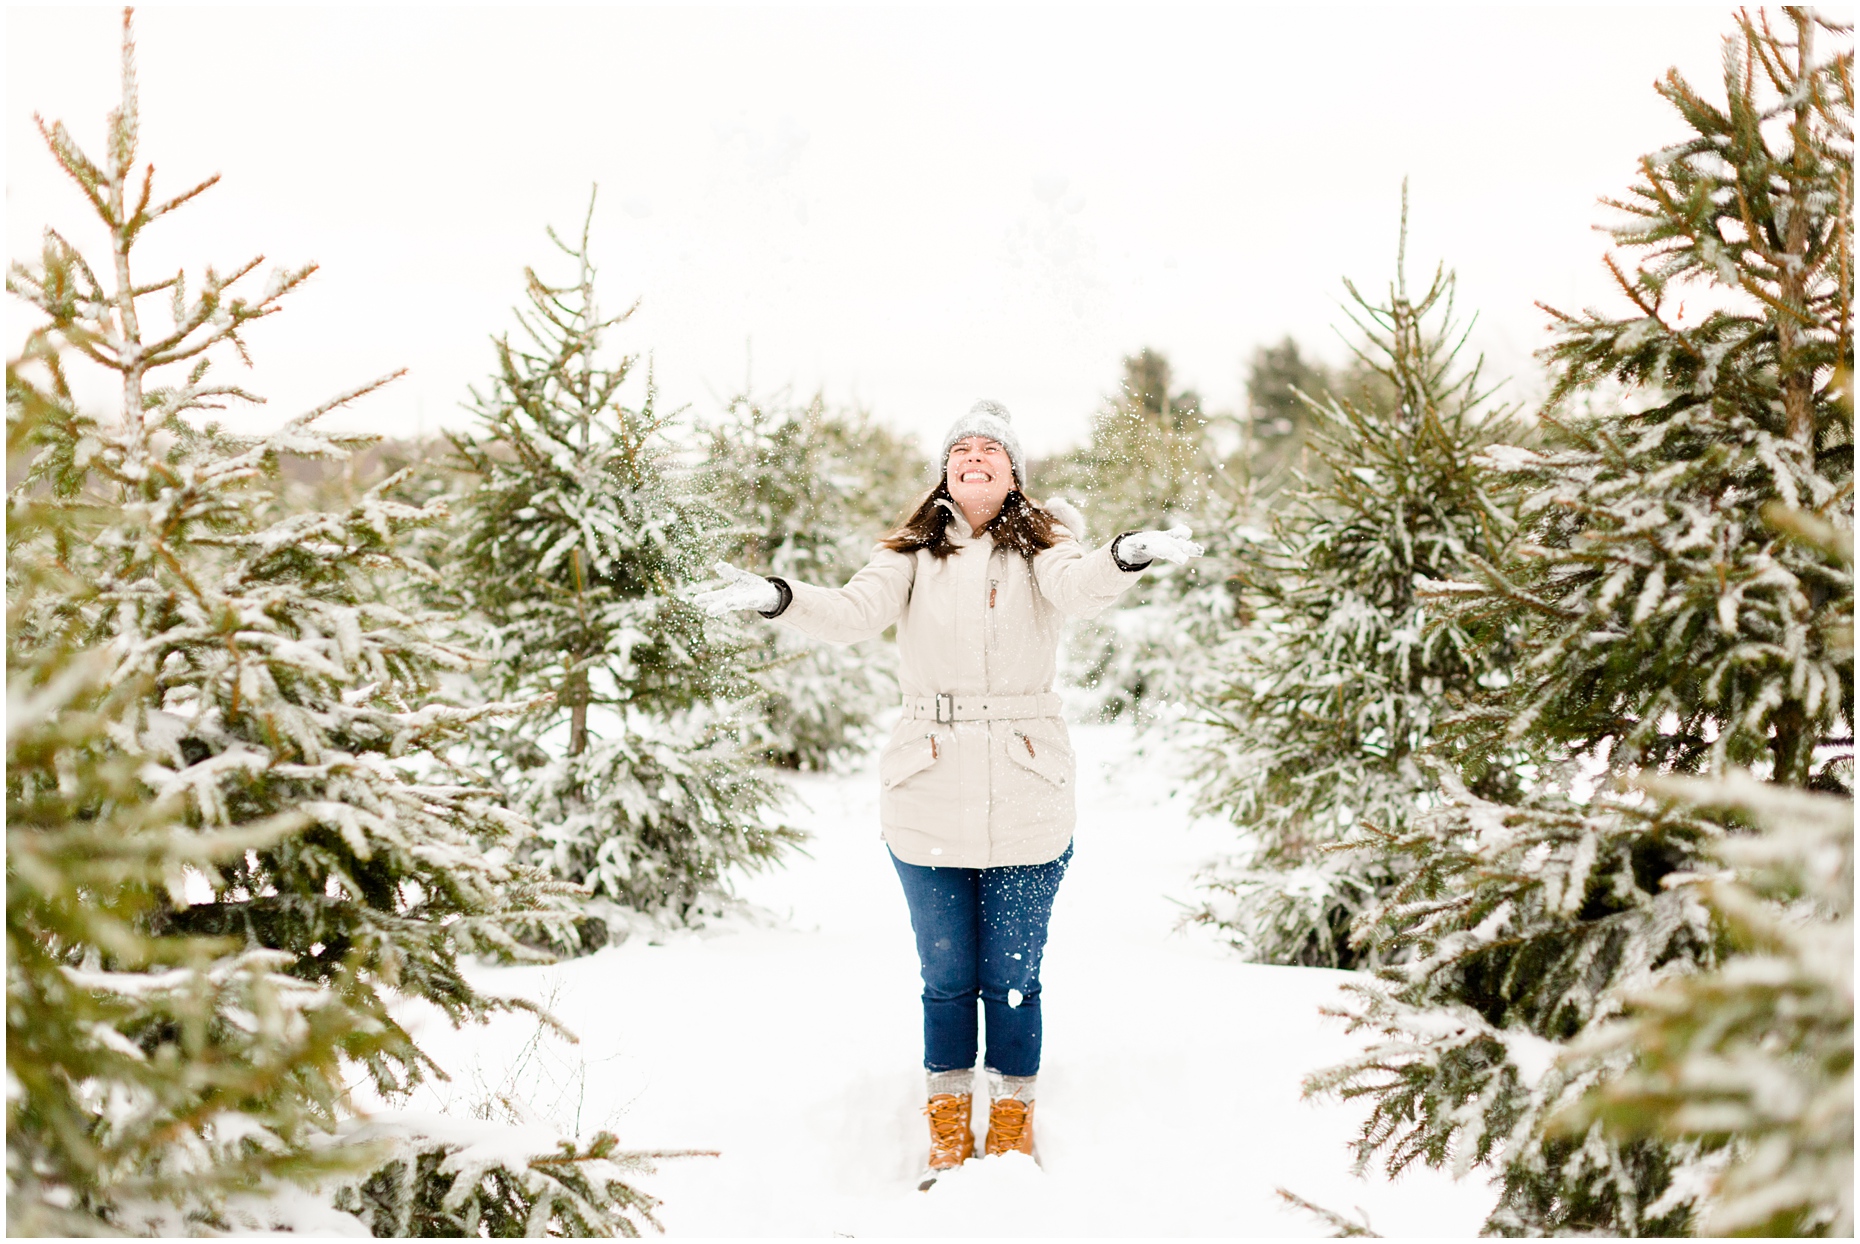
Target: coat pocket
<point x="910" y="757"/>
<point x="1044" y="754"/>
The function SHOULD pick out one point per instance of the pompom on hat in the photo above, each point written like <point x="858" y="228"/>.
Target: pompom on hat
<point x="989" y="419"/>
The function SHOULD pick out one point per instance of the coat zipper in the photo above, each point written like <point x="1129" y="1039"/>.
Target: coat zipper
<point x="990" y="618"/>
<point x="1027" y="742"/>
<point x="933" y="754"/>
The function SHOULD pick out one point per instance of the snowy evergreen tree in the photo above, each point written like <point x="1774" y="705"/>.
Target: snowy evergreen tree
<point x="1658" y="586"/>
<point x="234" y="842"/>
<point x="1665" y="625"/>
<point x="1518" y="924"/>
<point x="1153" y="459"/>
<point x="492" y="1179"/>
<point x="1277" y="423"/>
<point x="1156" y="455"/>
<point x="153" y="1076"/>
<point x="1276" y="427"/>
<point x="574" y="542"/>
<point x="1149" y="458"/>
<point x="1751" y="1065"/>
<point x="808" y="492"/>
<point x="1327" y="696"/>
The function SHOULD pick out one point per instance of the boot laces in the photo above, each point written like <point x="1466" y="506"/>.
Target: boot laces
<point x="951" y="1141"/>
<point x="1008" y="1120"/>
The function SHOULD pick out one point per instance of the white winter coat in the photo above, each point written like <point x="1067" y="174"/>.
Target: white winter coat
<point x="981" y="623"/>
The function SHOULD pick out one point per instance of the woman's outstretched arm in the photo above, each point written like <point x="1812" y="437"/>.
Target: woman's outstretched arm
<point x="1081" y="583"/>
<point x="870" y="602"/>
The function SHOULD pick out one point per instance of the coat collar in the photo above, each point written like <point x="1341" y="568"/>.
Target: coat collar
<point x="959" y="526"/>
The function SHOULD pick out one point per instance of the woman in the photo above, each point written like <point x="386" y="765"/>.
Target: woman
<point x="977" y="779"/>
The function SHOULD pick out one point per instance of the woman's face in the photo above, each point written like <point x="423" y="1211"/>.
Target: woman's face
<point x="980" y="476"/>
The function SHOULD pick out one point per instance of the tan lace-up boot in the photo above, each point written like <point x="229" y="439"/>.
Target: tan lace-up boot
<point x="1010" y="1127"/>
<point x="951" y="1141"/>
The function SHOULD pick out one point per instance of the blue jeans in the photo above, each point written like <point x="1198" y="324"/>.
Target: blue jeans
<point x="980" y="933"/>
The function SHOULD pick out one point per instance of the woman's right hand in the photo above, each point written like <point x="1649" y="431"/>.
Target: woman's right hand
<point x="741" y="590"/>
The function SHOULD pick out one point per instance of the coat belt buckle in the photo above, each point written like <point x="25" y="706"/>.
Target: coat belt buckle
<point x="945" y="709"/>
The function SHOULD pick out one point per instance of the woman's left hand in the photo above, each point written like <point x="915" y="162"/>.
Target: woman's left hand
<point x="1172" y="545"/>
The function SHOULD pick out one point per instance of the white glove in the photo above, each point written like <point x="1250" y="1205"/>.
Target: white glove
<point x="741" y="590"/>
<point x="1172" y="545"/>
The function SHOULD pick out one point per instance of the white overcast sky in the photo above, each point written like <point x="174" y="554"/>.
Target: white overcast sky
<point x="903" y="207"/>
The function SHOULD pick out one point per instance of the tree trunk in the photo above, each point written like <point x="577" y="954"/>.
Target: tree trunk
<point x="1798" y="381"/>
<point x="575" y="687"/>
<point x="1792" y="748"/>
<point x="575" y="695"/>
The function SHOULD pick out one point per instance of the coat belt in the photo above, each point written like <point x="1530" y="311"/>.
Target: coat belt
<point x="950" y="708"/>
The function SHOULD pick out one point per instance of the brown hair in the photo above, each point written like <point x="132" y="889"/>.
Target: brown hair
<point x="1021" y="526"/>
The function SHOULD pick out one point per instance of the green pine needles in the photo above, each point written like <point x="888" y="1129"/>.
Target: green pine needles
<point x="575" y="537"/>
<point x="1748" y="1069"/>
<point x="1335" y="685"/>
<point x="157" y="1075"/>
<point x="236" y="844"/>
<point x="1667" y="622"/>
<point x="1676" y="625"/>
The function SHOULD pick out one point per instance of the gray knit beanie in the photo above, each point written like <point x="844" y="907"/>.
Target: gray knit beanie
<point x="990" y="419"/>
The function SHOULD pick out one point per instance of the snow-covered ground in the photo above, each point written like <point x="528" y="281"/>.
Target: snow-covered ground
<point x="788" y="1040"/>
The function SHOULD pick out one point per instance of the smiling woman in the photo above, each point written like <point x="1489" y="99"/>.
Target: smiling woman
<point x="981" y="482"/>
<point x="980" y="475"/>
<point x="976" y="797"/>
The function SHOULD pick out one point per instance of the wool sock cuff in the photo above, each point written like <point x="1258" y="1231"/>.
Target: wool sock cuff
<point x="1000" y="1087"/>
<point x="958" y="1083"/>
